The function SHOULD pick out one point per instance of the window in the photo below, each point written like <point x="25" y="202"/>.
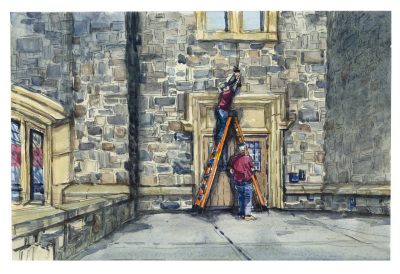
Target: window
<point x="36" y="159"/>
<point x="233" y="25"/>
<point x="216" y="21"/>
<point x="27" y="161"/>
<point x="41" y="148"/>
<point x="15" y="160"/>
<point x="253" y="21"/>
<point x="255" y="153"/>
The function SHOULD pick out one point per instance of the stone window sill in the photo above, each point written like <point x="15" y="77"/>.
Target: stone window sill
<point x="339" y="189"/>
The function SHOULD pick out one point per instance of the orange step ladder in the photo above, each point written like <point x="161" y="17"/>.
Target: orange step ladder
<point x="212" y="166"/>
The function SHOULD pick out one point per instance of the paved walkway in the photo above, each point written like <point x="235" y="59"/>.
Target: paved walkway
<point x="280" y="235"/>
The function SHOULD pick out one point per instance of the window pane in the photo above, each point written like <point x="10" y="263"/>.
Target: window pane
<point x="216" y="21"/>
<point x="252" y="21"/>
<point x="255" y="153"/>
<point x="15" y="160"/>
<point x="37" y="190"/>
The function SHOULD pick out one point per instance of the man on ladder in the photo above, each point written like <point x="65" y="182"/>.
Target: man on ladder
<point x="229" y="89"/>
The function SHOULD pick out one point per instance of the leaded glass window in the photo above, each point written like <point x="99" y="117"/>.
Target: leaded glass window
<point x="253" y="21"/>
<point x="255" y="153"/>
<point x="216" y="21"/>
<point x="37" y="188"/>
<point x="15" y="160"/>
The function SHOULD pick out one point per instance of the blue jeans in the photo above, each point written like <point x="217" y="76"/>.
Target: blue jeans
<point x="221" y="116"/>
<point x="245" y="196"/>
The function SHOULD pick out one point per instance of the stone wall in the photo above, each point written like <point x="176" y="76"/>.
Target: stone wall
<point x="78" y="59"/>
<point x="62" y="232"/>
<point x="41" y="54"/>
<point x="302" y="52"/>
<point x="101" y="103"/>
<point x="173" y="63"/>
<point x="357" y="130"/>
<point x="128" y="118"/>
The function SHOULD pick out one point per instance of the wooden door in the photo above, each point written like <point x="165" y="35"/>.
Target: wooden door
<point x="222" y="192"/>
<point x="258" y="150"/>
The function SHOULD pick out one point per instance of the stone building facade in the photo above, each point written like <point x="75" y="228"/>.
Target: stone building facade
<point x="41" y="54"/>
<point x="77" y="60"/>
<point x="174" y="64"/>
<point x="137" y="91"/>
<point x="357" y="128"/>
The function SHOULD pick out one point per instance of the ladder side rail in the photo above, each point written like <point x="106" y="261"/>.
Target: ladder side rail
<point x="206" y="171"/>
<point x="215" y="164"/>
<point x="253" y="177"/>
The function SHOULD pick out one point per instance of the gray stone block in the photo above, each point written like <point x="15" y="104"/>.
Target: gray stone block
<point x="312" y="57"/>
<point x="118" y="25"/>
<point x="53" y="35"/>
<point x="102" y="36"/>
<point x="183" y="136"/>
<point x="122" y="177"/>
<point x="146" y="119"/>
<point x="181" y="59"/>
<point x="182" y="167"/>
<point x="254" y="71"/>
<point x="86" y="146"/>
<point x="297" y="89"/>
<point x="181" y="102"/>
<point x="167" y="138"/>
<point x="120" y="149"/>
<point x="318" y="68"/>
<point x="308" y="115"/>
<point x="37" y="80"/>
<point x="29" y="45"/>
<point x="256" y="45"/>
<point x="117" y="120"/>
<point x="94" y="130"/>
<point x="39" y="27"/>
<point x="200" y="85"/>
<point x="220" y="73"/>
<point x="321" y="84"/>
<point x="291" y="63"/>
<point x="274" y="69"/>
<point x="99" y="26"/>
<point x="105" y="112"/>
<point x="204" y="73"/>
<point x="36" y="15"/>
<point x="184" y="85"/>
<point x="163" y="168"/>
<point x="82" y="178"/>
<point x="164" y="101"/>
<point x="81" y="27"/>
<point x="53" y="71"/>
<point x="265" y="60"/>
<point x="112" y="88"/>
<point x="165" y="88"/>
<point x="166" y="205"/>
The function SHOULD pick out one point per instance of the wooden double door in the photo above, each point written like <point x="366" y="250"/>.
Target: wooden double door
<point x="222" y="194"/>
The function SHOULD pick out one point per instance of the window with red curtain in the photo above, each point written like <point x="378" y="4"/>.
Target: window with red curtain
<point x="37" y="187"/>
<point x="15" y="160"/>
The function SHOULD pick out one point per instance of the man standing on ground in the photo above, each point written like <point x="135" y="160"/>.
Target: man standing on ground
<point x="229" y="89"/>
<point x="242" y="169"/>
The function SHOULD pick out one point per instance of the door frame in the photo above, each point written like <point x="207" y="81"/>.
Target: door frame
<point x="199" y="108"/>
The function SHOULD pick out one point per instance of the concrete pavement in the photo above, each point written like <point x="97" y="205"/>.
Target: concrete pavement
<point x="280" y="235"/>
